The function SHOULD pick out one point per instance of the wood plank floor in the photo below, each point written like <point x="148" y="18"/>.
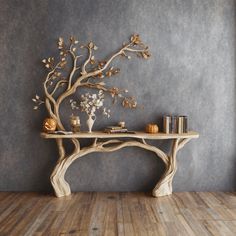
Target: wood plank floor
<point x="82" y="214"/>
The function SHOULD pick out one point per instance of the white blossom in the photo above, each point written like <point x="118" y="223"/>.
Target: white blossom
<point x="90" y="103"/>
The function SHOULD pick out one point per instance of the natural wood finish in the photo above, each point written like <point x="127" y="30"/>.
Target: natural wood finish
<point x="127" y="214"/>
<point x="164" y="185"/>
<point x="89" y="75"/>
<point x="137" y="134"/>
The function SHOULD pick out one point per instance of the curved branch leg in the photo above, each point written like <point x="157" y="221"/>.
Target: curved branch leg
<point x="61" y="187"/>
<point x="164" y="186"/>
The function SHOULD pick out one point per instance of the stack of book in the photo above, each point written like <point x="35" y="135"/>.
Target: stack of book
<point x="175" y="124"/>
<point x="115" y="129"/>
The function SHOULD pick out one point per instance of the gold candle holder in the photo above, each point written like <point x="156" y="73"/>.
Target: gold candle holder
<point x="75" y="123"/>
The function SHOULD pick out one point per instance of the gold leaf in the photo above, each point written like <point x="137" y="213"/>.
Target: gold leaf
<point x="129" y="102"/>
<point x="35" y="108"/>
<point x="76" y="41"/>
<point x="44" y="61"/>
<point x="109" y="73"/>
<point x="34" y="100"/>
<point x="100" y="75"/>
<point x="37" y="97"/>
<point x="95" y="47"/>
<point x="135" y="39"/>
<point x="47" y="66"/>
<point x="146" y="54"/>
<point x="73" y="49"/>
<point x="63" y="63"/>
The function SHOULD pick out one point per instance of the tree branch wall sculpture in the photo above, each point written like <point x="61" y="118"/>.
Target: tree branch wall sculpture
<point x="74" y="70"/>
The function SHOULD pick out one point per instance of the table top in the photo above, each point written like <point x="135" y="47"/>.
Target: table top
<point x="135" y="134"/>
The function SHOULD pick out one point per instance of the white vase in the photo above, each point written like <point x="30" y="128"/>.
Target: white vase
<point x="90" y="121"/>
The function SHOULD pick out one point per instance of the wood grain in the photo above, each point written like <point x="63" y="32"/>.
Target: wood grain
<point x="127" y="214"/>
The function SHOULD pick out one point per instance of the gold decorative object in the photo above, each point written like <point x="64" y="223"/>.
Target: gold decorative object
<point x="121" y="124"/>
<point x="49" y="125"/>
<point x="152" y="128"/>
<point x="75" y="123"/>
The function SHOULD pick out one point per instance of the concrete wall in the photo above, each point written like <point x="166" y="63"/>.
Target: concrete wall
<point x="191" y="71"/>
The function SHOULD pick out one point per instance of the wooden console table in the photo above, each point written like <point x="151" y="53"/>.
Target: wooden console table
<point x="104" y="142"/>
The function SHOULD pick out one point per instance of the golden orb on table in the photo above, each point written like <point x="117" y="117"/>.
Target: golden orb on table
<point x="49" y="125"/>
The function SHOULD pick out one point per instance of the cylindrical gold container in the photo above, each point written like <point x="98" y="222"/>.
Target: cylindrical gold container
<point x="75" y="123"/>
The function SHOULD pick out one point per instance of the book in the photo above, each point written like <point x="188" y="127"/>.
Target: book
<point x="166" y="124"/>
<point x="180" y="124"/>
<point x="112" y="131"/>
<point x="115" y="127"/>
<point x="173" y="124"/>
<point x="185" y="124"/>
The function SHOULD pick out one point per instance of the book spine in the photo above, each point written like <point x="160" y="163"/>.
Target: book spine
<point x="173" y="124"/>
<point x="185" y="124"/>
<point x="166" y="124"/>
<point x="180" y="125"/>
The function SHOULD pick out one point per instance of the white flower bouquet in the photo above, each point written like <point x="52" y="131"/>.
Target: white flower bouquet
<point x="90" y="103"/>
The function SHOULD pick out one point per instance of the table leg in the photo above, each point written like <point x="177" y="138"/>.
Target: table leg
<point x="164" y="185"/>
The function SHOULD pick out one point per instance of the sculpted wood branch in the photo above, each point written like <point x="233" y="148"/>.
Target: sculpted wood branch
<point x="90" y="68"/>
<point x="162" y="188"/>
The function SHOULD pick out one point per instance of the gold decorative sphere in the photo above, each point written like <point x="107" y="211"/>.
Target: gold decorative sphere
<point x="49" y="125"/>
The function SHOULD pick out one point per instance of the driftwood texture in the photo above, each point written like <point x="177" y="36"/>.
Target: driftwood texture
<point x="162" y="188"/>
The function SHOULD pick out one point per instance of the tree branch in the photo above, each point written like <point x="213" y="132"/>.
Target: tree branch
<point x="83" y="72"/>
<point x="81" y="80"/>
<point x="57" y="85"/>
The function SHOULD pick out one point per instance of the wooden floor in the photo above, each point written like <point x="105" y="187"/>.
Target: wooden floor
<point x="118" y="214"/>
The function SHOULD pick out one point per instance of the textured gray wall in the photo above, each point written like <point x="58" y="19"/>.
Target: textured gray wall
<point x="192" y="71"/>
